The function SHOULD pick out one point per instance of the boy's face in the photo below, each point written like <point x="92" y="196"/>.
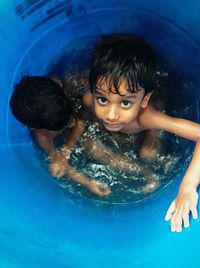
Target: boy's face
<point x="118" y="111"/>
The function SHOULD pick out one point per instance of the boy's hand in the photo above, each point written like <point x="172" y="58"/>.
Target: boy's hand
<point x="179" y="210"/>
<point x="99" y="188"/>
<point x="58" y="167"/>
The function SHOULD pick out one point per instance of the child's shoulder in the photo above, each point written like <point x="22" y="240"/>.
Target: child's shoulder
<point x="150" y="117"/>
<point x="45" y="133"/>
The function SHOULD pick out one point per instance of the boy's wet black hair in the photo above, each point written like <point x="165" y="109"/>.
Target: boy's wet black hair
<point x="120" y="57"/>
<point x="39" y="102"/>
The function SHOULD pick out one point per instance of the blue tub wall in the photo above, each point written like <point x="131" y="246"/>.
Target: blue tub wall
<point x="27" y="52"/>
<point x="41" y="224"/>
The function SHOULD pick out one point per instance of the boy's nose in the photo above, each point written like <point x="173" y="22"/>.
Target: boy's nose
<point x="112" y="114"/>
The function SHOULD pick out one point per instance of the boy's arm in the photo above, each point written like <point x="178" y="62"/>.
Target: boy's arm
<point x="97" y="187"/>
<point x="45" y="140"/>
<point x="75" y="133"/>
<point x="58" y="168"/>
<point x="106" y="156"/>
<point x="187" y="198"/>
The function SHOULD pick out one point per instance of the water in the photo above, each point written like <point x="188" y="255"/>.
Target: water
<point x="129" y="186"/>
<point x="172" y="95"/>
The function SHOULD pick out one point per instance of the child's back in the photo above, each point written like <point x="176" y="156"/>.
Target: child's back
<point x="41" y="104"/>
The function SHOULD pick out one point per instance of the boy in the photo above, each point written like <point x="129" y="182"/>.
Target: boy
<point x="41" y="105"/>
<point x="122" y="78"/>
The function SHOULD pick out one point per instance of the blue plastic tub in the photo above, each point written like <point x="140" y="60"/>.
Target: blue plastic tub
<point x="42" y="224"/>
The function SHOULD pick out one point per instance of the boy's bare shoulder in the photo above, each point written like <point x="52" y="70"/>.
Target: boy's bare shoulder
<point x="150" y="118"/>
<point x="44" y="133"/>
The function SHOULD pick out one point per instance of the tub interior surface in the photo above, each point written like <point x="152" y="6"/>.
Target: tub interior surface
<point x="43" y="224"/>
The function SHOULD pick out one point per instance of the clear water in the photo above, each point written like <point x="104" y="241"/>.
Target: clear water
<point x="175" y="98"/>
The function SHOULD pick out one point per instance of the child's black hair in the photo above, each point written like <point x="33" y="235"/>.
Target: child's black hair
<point x="39" y="102"/>
<point x="120" y="57"/>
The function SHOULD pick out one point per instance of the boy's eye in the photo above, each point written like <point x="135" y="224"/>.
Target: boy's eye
<point x="126" y="104"/>
<point x="102" y="100"/>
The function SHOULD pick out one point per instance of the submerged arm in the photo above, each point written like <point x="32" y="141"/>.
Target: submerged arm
<point x="45" y="140"/>
<point x="97" y="187"/>
<point x="106" y="156"/>
<point x="59" y="167"/>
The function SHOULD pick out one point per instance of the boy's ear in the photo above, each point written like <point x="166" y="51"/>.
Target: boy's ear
<point x="146" y="99"/>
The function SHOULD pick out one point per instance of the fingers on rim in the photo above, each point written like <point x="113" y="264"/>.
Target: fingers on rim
<point x="176" y="224"/>
<point x="194" y="212"/>
<point x="186" y="220"/>
<point x="177" y="220"/>
<point x="170" y="211"/>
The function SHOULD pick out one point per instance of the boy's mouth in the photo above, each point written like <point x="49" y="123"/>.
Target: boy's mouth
<point x="111" y="126"/>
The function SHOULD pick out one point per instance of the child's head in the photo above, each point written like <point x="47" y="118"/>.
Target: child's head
<point x="40" y="103"/>
<point x="122" y="78"/>
<point x="123" y="57"/>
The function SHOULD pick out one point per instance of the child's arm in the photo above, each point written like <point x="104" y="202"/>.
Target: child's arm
<point x="97" y="187"/>
<point x="106" y="156"/>
<point x="187" y="198"/>
<point x="58" y="168"/>
<point x="45" y="140"/>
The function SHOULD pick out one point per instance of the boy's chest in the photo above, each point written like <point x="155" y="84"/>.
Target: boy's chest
<point x="133" y="128"/>
<point x="138" y="125"/>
